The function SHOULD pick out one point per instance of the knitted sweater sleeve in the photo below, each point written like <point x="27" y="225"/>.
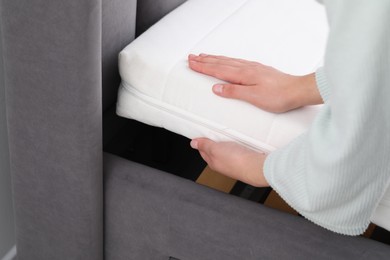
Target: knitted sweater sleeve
<point x="336" y="172"/>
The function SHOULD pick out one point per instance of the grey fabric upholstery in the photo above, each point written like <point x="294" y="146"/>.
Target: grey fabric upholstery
<point x="7" y="232"/>
<point x="118" y="30"/>
<point x="52" y="54"/>
<point x="152" y="215"/>
<point x="150" y="11"/>
<point x="56" y="68"/>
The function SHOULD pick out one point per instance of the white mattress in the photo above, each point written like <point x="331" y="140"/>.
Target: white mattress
<point x="159" y="89"/>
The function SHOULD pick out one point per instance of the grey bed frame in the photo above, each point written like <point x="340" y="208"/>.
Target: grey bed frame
<point x="74" y="201"/>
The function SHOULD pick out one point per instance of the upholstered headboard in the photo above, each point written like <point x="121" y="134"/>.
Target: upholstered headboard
<point x="55" y="53"/>
<point x="60" y="62"/>
<point x="150" y="11"/>
<point x="118" y="30"/>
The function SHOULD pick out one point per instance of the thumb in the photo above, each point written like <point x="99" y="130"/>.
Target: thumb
<point x="202" y="144"/>
<point x="233" y="91"/>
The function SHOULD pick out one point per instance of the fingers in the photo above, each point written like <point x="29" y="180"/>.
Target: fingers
<point x="212" y="152"/>
<point x="221" y="59"/>
<point x="220" y="71"/>
<point x="232" y="160"/>
<point x="213" y="59"/>
<point x="224" y="68"/>
<point x="235" y="91"/>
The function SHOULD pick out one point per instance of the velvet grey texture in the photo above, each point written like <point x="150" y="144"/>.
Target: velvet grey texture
<point x="52" y="55"/>
<point x="7" y="225"/>
<point x="118" y="30"/>
<point x="55" y="59"/>
<point x="150" y="11"/>
<point x="152" y="215"/>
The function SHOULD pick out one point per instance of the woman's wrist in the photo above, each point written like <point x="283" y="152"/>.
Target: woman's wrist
<point x="305" y="91"/>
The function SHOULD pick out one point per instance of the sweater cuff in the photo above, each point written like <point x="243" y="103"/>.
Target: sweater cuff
<point x="322" y="85"/>
<point x="293" y="188"/>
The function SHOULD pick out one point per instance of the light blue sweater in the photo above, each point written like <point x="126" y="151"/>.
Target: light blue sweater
<point x="336" y="173"/>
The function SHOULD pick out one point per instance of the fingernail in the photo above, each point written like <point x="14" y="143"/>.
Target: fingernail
<point x="191" y="56"/>
<point x="218" y="88"/>
<point x="194" y="144"/>
<point x="203" y="55"/>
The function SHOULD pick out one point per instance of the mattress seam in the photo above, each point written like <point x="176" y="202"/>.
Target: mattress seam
<point x="264" y="146"/>
<point x="208" y="33"/>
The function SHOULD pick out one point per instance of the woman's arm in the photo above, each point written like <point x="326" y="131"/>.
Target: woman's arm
<point x="336" y="173"/>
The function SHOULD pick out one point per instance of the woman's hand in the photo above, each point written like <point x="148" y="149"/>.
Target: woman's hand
<point x="233" y="160"/>
<point x="258" y="84"/>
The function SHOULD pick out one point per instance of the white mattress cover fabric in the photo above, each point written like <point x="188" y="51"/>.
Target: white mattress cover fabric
<point x="159" y="89"/>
